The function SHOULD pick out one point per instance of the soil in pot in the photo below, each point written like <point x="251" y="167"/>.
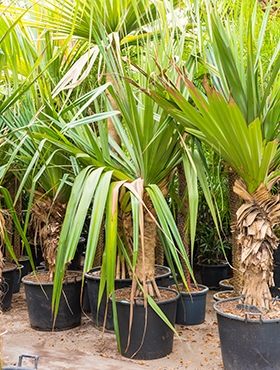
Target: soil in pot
<point x="191" y="305"/>
<point x="224" y="294"/>
<point x="39" y="298"/>
<point x="93" y="280"/>
<point x="150" y="337"/>
<point x="249" y="338"/>
<point x="7" y="286"/>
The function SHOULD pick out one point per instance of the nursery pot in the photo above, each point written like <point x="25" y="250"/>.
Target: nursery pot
<point x="93" y="281"/>
<point x="85" y="304"/>
<point x="211" y="275"/>
<point x="17" y="279"/>
<point x="276" y="274"/>
<point x="157" y="340"/>
<point x="75" y="263"/>
<point x="249" y="343"/>
<point x="225" y="284"/>
<point x="36" y="252"/>
<point x="7" y="285"/>
<point x="191" y="306"/>
<point x="39" y="299"/>
<point x="25" y="262"/>
<point x="223" y="294"/>
<point x="98" y="315"/>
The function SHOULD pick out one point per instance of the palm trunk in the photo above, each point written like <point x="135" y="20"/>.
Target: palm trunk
<point x="234" y="204"/>
<point x="111" y="128"/>
<point x="145" y="269"/>
<point x="159" y="252"/>
<point x="182" y="216"/>
<point x="255" y="221"/>
<point x="100" y="246"/>
<point x="46" y="221"/>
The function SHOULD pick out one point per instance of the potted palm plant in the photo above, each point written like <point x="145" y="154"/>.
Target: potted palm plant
<point x="240" y="124"/>
<point x="134" y="11"/>
<point x="127" y="200"/>
<point x="45" y="214"/>
<point x="130" y="180"/>
<point x="128" y="184"/>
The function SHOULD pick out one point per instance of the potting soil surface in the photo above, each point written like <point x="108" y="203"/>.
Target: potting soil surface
<point x="87" y="348"/>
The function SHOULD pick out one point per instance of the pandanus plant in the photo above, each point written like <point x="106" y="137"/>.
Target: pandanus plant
<point x="242" y="126"/>
<point x="81" y="25"/>
<point x="127" y="184"/>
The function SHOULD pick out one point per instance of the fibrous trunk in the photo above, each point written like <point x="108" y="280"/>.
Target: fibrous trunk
<point x="182" y="216"/>
<point x="145" y="269"/>
<point x="256" y="218"/>
<point x="46" y="220"/>
<point x="234" y="204"/>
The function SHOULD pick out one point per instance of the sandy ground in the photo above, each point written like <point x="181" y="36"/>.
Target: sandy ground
<point x="85" y="348"/>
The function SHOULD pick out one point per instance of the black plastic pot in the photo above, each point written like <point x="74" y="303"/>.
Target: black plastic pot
<point x="39" y="298"/>
<point x="276" y="274"/>
<point x="158" y="337"/>
<point x="75" y="264"/>
<point x="225" y="284"/>
<point x="211" y="275"/>
<point x="17" y="279"/>
<point x="25" y="262"/>
<point x="276" y="255"/>
<point x="222" y="295"/>
<point x="86" y="303"/>
<point x="36" y="254"/>
<point x="7" y="286"/>
<point x="98" y="315"/>
<point x="191" y="307"/>
<point x="93" y="282"/>
<point x="247" y="343"/>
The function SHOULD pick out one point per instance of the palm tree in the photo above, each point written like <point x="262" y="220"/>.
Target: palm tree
<point x="83" y="25"/>
<point x="241" y="126"/>
<point x="129" y="185"/>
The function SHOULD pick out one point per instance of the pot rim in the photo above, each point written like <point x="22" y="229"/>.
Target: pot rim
<point x="50" y="283"/>
<point x="138" y="301"/>
<point x="201" y="292"/>
<point x="213" y="265"/>
<point x="98" y="268"/>
<point x="238" y="318"/>
<point x="12" y="268"/>
<point x="91" y="277"/>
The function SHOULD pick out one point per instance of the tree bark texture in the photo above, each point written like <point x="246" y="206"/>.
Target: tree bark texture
<point x="46" y="221"/>
<point x="145" y="268"/>
<point x="182" y="215"/>
<point x="234" y="204"/>
<point x="256" y="218"/>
